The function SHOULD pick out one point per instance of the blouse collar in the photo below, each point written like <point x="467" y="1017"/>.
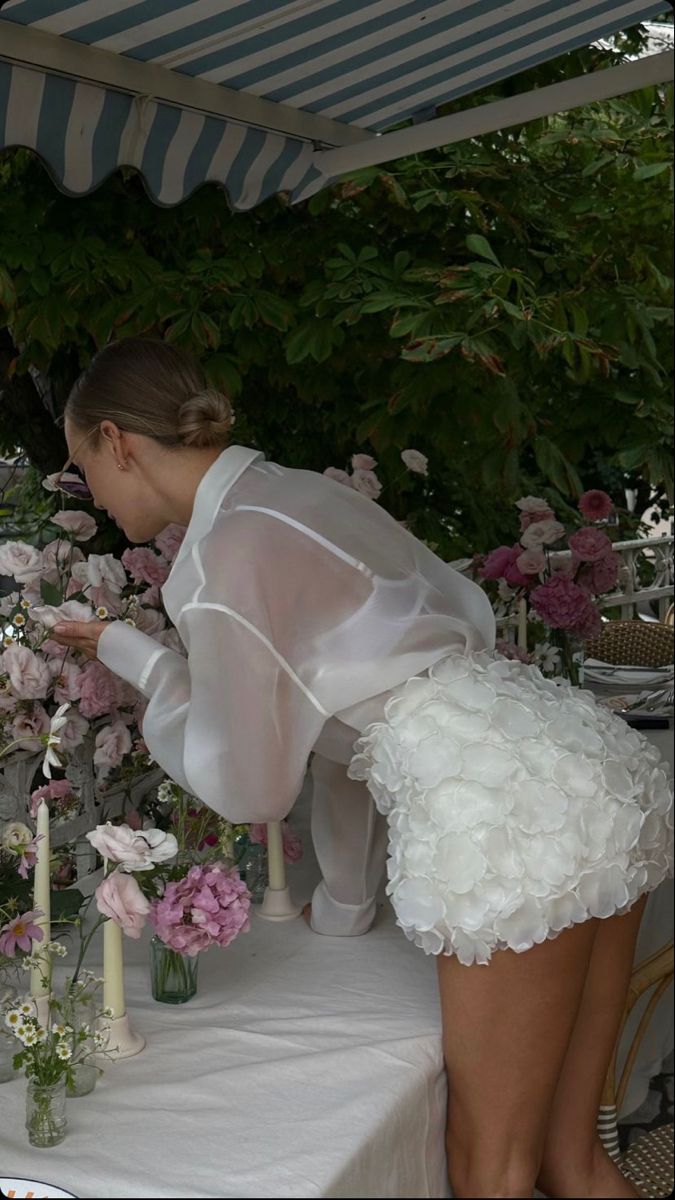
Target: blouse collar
<point x="213" y="487"/>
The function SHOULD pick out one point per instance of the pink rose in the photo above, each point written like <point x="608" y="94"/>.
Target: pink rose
<point x="145" y="566"/>
<point x="120" y="898"/>
<point x="169" y="541"/>
<point x="79" y="524"/>
<point x="66" y="676"/>
<point x="496" y="562"/>
<point x="531" y="562"/>
<point x="363" y="462"/>
<point x="112" y="743"/>
<point x="28" y="674"/>
<point x="59" y="554"/>
<point x="367" y="483"/>
<point x="542" y="533"/>
<point x="590" y="545"/>
<point x="338" y="475"/>
<point x="560" y="602"/>
<point x="533" y="505"/>
<point x="595" y="505"/>
<point x="105" y="569"/>
<point x="97" y="690"/>
<point x="527" y="519"/>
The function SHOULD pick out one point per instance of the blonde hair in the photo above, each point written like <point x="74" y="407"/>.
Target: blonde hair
<point x="154" y="389"/>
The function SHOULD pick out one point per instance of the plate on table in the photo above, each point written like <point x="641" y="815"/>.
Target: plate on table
<point x="30" y="1189"/>
<point x="631" y="678"/>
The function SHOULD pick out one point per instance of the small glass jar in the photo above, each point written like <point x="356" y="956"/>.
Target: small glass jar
<point x="46" y="1119"/>
<point x="173" y="975"/>
<point x="79" y="1011"/>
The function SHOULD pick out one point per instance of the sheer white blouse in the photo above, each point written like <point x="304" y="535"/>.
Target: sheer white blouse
<point x="301" y="604"/>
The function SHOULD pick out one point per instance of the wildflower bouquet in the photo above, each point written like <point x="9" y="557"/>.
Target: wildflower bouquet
<point x="559" y="574"/>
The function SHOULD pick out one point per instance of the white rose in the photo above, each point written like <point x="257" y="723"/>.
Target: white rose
<point x="76" y="522"/>
<point x="532" y="504"/>
<point x="105" y="569"/>
<point x="542" y="533"/>
<point x="15" y="835"/>
<point x="21" y="561"/>
<point x="415" y="462"/>
<point x="28" y="674"/>
<point x="367" y="483"/>
<point x="134" y="850"/>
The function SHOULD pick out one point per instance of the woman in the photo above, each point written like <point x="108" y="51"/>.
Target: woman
<point x="526" y="825"/>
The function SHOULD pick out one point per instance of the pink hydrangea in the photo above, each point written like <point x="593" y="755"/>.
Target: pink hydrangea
<point x="590" y="545"/>
<point x="595" y="505"/>
<point x="209" y="906"/>
<point x="512" y="651"/>
<point x="145" y="566"/>
<point x="560" y="602"/>
<point x="590" y="623"/>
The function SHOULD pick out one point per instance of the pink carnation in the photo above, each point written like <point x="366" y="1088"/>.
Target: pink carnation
<point x="590" y="545"/>
<point x="560" y="602"/>
<point x="209" y="906"/>
<point x="595" y="505"/>
<point x="601" y="576"/>
<point x="145" y="566"/>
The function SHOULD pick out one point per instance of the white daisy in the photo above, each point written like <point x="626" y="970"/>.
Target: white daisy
<point x="63" y="1051"/>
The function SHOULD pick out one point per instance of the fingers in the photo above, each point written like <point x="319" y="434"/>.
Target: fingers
<point x="70" y="629"/>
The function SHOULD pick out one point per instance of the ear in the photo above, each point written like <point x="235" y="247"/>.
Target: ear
<point x="113" y="438"/>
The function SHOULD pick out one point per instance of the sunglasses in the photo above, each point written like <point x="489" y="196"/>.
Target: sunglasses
<point x="70" y="479"/>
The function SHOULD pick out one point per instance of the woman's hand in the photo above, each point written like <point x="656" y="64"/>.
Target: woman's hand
<point x="79" y="635"/>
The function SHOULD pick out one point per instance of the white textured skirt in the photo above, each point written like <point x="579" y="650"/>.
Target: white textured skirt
<point x="517" y="807"/>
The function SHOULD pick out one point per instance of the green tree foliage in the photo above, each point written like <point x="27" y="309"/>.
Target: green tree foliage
<point x="503" y="305"/>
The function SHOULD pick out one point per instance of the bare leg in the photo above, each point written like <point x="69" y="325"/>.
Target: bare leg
<point x="574" y="1162"/>
<point x="506" y="1028"/>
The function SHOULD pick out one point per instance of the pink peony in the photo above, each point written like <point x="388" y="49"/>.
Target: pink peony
<point x="112" y="743"/>
<point x="590" y="545"/>
<point x="367" y="483"/>
<point x="531" y="562"/>
<point x="338" y="475"/>
<point x="145" y="566"/>
<point x="98" y="691"/>
<point x="21" y="932"/>
<point x="595" y="505"/>
<point x="363" y="462"/>
<point x="120" y="898"/>
<point x="169" y="541"/>
<point x="79" y="524"/>
<point x="28" y="673"/>
<point x="292" y="844"/>
<point x="210" y="905"/>
<point x="560" y="602"/>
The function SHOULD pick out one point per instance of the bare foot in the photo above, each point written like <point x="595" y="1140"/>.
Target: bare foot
<point x="604" y="1181"/>
<point x="307" y="914"/>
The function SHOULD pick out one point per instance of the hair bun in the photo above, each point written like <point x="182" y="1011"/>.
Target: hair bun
<point x="205" y="419"/>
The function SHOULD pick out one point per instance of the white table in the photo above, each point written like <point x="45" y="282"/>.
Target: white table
<point x="305" y="1066"/>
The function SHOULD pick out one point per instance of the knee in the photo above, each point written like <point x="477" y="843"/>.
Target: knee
<point x="490" y="1159"/>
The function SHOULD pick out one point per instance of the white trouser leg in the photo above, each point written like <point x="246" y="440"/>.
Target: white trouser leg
<point x="350" y="841"/>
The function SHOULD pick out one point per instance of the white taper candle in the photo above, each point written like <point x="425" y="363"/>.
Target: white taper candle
<point x="113" y="965"/>
<point x="276" y="872"/>
<point x="39" y="980"/>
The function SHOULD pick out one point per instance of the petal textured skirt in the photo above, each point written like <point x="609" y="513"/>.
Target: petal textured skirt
<point x="517" y="806"/>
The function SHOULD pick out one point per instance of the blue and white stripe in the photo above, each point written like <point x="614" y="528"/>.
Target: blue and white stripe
<point x="368" y="64"/>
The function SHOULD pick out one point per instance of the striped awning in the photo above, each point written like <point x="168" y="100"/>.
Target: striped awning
<point x="252" y="94"/>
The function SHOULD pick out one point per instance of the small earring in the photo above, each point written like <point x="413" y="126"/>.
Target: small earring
<point x="121" y="467"/>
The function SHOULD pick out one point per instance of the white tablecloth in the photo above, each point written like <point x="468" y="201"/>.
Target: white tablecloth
<point x="305" y="1066"/>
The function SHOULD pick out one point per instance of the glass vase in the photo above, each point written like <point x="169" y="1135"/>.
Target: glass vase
<point x="252" y="867"/>
<point x="173" y="975"/>
<point x="79" y="1011"/>
<point x="571" y="655"/>
<point x="46" y="1119"/>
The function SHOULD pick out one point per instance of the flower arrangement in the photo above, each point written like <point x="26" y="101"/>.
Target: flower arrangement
<point x="558" y="574"/>
<point x="363" y="477"/>
<point x="52" y="1052"/>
